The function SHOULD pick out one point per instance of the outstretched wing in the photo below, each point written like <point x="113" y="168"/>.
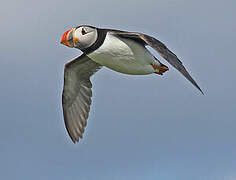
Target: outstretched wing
<point x="161" y="49"/>
<point x="76" y="97"/>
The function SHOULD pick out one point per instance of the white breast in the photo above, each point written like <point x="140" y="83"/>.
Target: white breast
<point x="124" y="55"/>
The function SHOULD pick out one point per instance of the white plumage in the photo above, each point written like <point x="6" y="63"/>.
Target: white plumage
<point x="125" y="56"/>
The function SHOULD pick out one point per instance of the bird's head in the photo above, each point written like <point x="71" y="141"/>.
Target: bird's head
<point x="80" y="37"/>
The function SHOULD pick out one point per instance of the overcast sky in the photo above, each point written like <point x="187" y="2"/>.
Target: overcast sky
<point x="140" y="127"/>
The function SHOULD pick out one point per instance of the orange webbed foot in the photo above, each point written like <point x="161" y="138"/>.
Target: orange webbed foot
<point x="162" y="68"/>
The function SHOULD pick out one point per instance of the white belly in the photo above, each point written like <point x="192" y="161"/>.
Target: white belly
<point x="124" y="55"/>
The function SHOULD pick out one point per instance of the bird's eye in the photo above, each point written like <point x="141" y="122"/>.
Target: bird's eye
<point x="83" y="32"/>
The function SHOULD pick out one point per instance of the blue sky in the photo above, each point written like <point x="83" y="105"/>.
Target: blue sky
<point x="140" y="127"/>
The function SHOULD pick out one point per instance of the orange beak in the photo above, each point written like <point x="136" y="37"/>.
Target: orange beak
<point x="64" y="38"/>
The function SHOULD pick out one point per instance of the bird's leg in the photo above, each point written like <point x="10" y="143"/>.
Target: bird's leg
<point x="161" y="69"/>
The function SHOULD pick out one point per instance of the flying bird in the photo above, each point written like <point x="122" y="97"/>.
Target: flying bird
<point x="121" y="51"/>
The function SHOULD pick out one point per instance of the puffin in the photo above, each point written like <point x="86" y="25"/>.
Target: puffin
<point x="121" y="51"/>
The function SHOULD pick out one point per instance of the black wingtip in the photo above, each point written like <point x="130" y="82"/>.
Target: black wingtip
<point x="200" y="90"/>
<point x="195" y="84"/>
<point x="202" y="93"/>
<point x="188" y="77"/>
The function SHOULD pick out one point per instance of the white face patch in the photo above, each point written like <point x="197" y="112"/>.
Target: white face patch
<point x="84" y="37"/>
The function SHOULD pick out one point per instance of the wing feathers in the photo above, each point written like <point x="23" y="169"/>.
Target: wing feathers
<point x="169" y="56"/>
<point x="76" y="98"/>
<point x="161" y="49"/>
